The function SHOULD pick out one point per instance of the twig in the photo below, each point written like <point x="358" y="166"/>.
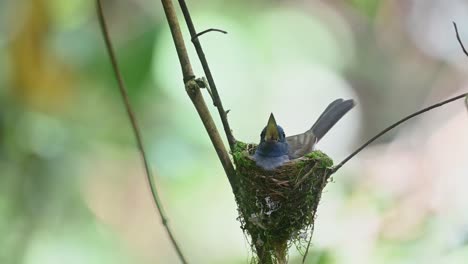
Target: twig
<point x="324" y="182"/>
<point x="193" y="90"/>
<point x="308" y="243"/>
<point x="337" y="167"/>
<point x="466" y="103"/>
<point x="464" y="51"/>
<point x="459" y="39"/>
<point x="136" y="130"/>
<point x="201" y="55"/>
<point x="208" y="30"/>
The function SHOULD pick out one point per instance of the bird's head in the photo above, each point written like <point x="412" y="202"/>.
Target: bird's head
<point x="272" y="133"/>
<point x="272" y="140"/>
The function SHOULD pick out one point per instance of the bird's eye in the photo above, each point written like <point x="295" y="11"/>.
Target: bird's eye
<point x="284" y="135"/>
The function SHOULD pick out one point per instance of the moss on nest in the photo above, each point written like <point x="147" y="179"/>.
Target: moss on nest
<point x="277" y="207"/>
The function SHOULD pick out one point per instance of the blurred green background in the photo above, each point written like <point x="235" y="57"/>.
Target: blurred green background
<point x="72" y="188"/>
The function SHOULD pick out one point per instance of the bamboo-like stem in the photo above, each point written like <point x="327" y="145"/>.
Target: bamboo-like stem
<point x="193" y="90"/>
<point x="201" y="55"/>
<point x="184" y="59"/>
<point x="136" y="130"/>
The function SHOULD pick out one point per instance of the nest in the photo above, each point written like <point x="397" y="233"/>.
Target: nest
<point x="278" y="207"/>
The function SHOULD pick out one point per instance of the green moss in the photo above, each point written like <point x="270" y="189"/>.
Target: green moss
<point x="321" y="158"/>
<point x="239" y="146"/>
<point x="277" y="207"/>
<point x="240" y="155"/>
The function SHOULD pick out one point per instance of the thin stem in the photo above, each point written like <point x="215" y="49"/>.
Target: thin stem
<point x="193" y="90"/>
<point x="208" y="30"/>
<point x="336" y="168"/>
<point x="136" y="130"/>
<point x="201" y="55"/>
<point x="308" y="245"/>
<point x="459" y="39"/>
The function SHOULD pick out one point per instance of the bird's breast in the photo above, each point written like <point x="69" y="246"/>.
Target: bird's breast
<point x="269" y="163"/>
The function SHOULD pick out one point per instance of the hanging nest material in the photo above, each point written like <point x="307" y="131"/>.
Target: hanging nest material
<point x="278" y="207"/>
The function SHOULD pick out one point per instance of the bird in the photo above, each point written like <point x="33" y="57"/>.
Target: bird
<point x="275" y="148"/>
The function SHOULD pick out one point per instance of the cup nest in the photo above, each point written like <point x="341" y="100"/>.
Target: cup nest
<point x="277" y="208"/>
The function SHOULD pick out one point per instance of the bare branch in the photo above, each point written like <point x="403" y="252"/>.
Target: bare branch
<point x="337" y="167"/>
<point x="136" y="130"/>
<point x="201" y="55"/>
<point x="193" y="90"/>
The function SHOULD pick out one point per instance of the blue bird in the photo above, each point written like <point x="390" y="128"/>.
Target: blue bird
<point x="275" y="148"/>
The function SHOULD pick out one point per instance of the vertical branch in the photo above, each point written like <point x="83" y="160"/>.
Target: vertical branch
<point x="193" y="90"/>
<point x="184" y="60"/>
<point x="201" y="55"/>
<point x="136" y="130"/>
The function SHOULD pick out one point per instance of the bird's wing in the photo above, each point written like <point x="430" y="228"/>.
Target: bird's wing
<point x="301" y="144"/>
<point x="304" y="143"/>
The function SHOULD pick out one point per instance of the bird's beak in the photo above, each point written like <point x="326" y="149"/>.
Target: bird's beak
<point x="272" y="133"/>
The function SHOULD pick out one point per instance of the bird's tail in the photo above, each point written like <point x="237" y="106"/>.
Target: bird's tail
<point x="332" y="114"/>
